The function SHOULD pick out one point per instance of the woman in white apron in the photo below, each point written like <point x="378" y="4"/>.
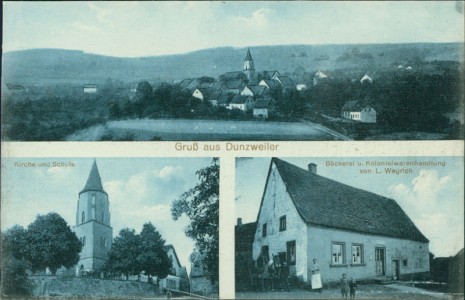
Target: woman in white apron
<point x="316" y="277"/>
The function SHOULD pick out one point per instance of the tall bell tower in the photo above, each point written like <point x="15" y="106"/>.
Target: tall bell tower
<point x="249" y="68"/>
<point x="93" y="224"/>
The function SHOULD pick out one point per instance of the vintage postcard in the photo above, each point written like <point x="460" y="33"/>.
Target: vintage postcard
<point x="338" y="126"/>
<point x="292" y="71"/>
<point x="370" y="227"/>
<point x="110" y="227"/>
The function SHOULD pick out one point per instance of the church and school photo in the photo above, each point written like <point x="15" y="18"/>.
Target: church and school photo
<point x="108" y="227"/>
<point x="312" y="221"/>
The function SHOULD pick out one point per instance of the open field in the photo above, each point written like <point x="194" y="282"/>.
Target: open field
<point x="205" y="130"/>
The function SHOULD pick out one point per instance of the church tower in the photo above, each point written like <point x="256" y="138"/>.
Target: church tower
<point x="249" y="68"/>
<point x="93" y="223"/>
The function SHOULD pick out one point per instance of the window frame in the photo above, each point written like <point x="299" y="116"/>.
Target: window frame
<point x="281" y="226"/>
<point x="334" y="262"/>
<point x="405" y="262"/>
<point x="361" y="256"/>
<point x="291" y="245"/>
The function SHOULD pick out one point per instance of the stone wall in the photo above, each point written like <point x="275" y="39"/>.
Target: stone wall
<point x="90" y="287"/>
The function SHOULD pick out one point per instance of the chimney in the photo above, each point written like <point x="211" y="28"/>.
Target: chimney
<point x="239" y="221"/>
<point x="312" y="168"/>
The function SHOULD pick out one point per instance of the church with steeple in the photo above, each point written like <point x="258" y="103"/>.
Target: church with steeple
<point x="93" y="224"/>
<point x="249" y="68"/>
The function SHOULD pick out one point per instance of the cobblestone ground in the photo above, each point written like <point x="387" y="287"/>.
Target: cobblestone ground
<point x="369" y="291"/>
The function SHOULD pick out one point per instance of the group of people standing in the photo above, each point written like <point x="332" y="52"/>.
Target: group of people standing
<point x="347" y="287"/>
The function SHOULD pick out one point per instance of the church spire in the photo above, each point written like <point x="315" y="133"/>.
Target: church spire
<point x="248" y="56"/>
<point x="94" y="182"/>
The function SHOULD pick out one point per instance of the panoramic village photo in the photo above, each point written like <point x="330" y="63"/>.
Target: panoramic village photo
<point x="322" y="228"/>
<point x="109" y="228"/>
<point x="216" y="71"/>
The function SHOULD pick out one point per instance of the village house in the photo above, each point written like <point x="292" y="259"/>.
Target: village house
<point x="357" y="111"/>
<point x="199" y="281"/>
<point x="286" y="82"/>
<point x="90" y="88"/>
<point x="177" y="279"/>
<point x="243" y="240"/>
<point x="263" y="108"/>
<point x="270" y="84"/>
<point x="301" y="86"/>
<point x="366" y="79"/>
<point x="244" y="103"/>
<point x="318" y="77"/>
<point x="201" y="93"/>
<point x="254" y="91"/>
<point x="304" y="216"/>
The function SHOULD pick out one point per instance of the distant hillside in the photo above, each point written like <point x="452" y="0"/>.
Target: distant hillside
<point x="46" y="66"/>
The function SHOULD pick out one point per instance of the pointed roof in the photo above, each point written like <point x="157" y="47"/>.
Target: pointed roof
<point x="325" y="202"/>
<point x="167" y="248"/>
<point x="248" y="55"/>
<point x="94" y="182"/>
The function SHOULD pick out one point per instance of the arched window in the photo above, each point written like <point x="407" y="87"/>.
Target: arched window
<point x="83" y="217"/>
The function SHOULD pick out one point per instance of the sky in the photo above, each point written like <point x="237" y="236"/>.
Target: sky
<point x="132" y="29"/>
<point x="140" y="190"/>
<point x="431" y="196"/>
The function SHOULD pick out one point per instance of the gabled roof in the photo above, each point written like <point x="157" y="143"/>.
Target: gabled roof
<point x="214" y="95"/>
<point x="233" y="75"/>
<point x="324" y="202"/>
<point x="94" y="182"/>
<point x="366" y="78"/>
<point x="217" y="85"/>
<point x="271" y="84"/>
<point x="185" y="83"/>
<point x="263" y="103"/>
<point x="286" y="82"/>
<point x="268" y="74"/>
<point x="244" y="236"/>
<point x="193" y="84"/>
<point x="167" y="248"/>
<point x="239" y="99"/>
<point x="224" y="99"/>
<point x="204" y="85"/>
<point x="257" y="90"/>
<point x="235" y="84"/>
<point x="354" y="106"/>
<point x="320" y="75"/>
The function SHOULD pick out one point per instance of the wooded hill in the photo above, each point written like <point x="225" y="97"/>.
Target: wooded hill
<point x="57" y="66"/>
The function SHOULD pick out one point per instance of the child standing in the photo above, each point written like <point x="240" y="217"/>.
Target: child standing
<point x="353" y="288"/>
<point x="344" y="286"/>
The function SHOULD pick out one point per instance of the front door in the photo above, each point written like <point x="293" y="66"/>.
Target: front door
<point x="380" y="261"/>
<point x="395" y="269"/>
